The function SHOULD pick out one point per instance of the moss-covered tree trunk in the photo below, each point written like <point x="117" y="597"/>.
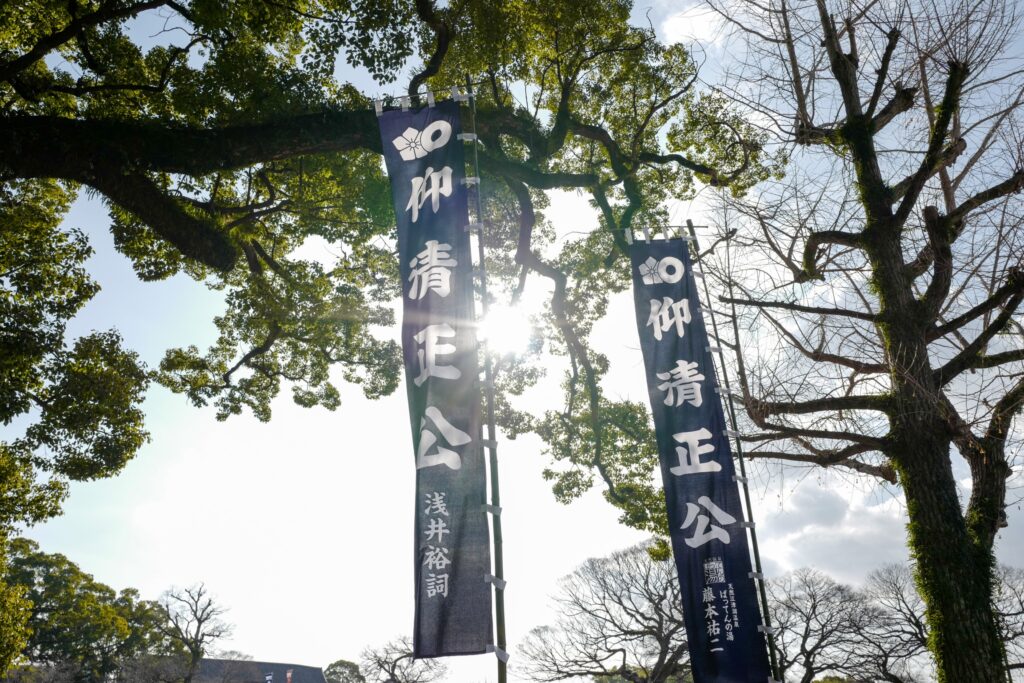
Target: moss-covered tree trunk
<point x="954" y="572"/>
<point x="954" y="564"/>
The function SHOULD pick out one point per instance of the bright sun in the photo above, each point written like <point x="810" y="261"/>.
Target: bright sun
<point x="507" y="329"/>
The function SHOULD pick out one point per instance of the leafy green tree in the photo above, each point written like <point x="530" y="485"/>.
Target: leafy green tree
<point x="15" y="611"/>
<point x="219" y="156"/>
<point x="224" y="143"/>
<point x="344" y="671"/>
<point x="219" y="165"/>
<point x="75" y="620"/>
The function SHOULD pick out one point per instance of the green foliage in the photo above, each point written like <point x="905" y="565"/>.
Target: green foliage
<point x="343" y="671"/>
<point x="84" y="398"/>
<point x="15" y="611"/>
<point x="78" y="621"/>
<point x="631" y="457"/>
<point x="279" y="201"/>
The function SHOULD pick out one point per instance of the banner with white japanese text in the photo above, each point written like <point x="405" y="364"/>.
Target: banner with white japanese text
<point x="709" y="539"/>
<point x="424" y="158"/>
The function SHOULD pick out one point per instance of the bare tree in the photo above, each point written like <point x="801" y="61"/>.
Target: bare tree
<point x="153" y="668"/>
<point x="893" y="646"/>
<point x="879" y="288"/>
<point x="193" y="621"/>
<point x="394" y="663"/>
<point x="1010" y="604"/>
<point x="60" y="672"/>
<point x="621" y="619"/>
<point x="816" y="623"/>
<point x="238" y="667"/>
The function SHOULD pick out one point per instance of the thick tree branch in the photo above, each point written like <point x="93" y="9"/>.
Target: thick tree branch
<point x="111" y="12"/>
<point x="1013" y="285"/>
<point x="524" y="173"/>
<point x="994" y="360"/>
<point x="832" y="403"/>
<point x="949" y="155"/>
<point x="881" y="471"/>
<point x="969" y="356"/>
<point x="815" y="241"/>
<point x="901" y="102"/>
<point x="950" y="103"/>
<point x="577" y="351"/>
<point x="202" y="240"/>
<point x="1011" y="185"/>
<point x="55" y="147"/>
<point x="443" y="32"/>
<point x="892" y="39"/>
<point x="789" y="306"/>
<point x="940" y="240"/>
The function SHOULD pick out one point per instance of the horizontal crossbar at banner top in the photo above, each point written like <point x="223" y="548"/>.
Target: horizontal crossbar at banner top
<point x="427" y="95"/>
<point x="654" y="238"/>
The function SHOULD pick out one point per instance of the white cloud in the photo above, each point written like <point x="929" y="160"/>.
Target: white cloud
<point x="835" y="527"/>
<point x="693" y="23"/>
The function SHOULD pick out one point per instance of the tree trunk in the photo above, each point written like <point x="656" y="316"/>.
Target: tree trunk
<point x="954" y="573"/>
<point x="954" y="567"/>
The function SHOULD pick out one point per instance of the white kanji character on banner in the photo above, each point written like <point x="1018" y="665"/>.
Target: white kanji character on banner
<point x="431" y="186"/>
<point x="442" y="456"/>
<point x="705" y="530"/>
<point x="436" y="557"/>
<point x="666" y="314"/>
<point x="431" y="270"/>
<point x="436" y="529"/>
<point x="430" y="337"/>
<point x="691" y="450"/>
<point x="437" y="503"/>
<point x="437" y="584"/>
<point x="682" y="385"/>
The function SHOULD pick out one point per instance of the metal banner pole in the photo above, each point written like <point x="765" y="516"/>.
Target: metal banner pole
<point x="491" y="441"/>
<point x="739" y="451"/>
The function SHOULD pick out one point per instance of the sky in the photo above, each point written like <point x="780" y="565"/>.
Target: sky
<point x="302" y="527"/>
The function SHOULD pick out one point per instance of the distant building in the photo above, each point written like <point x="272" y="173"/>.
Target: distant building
<point x="244" y="671"/>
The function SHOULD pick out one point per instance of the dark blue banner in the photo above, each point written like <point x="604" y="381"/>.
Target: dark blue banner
<point x="709" y="539"/>
<point x="424" y="159"/>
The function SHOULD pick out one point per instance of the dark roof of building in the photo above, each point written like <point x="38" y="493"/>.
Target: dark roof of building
<point x="241" y="671"/>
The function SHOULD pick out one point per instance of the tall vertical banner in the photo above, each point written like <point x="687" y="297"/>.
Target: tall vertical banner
<point x="705" y="518"/>
<point x="424" y="158"/>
